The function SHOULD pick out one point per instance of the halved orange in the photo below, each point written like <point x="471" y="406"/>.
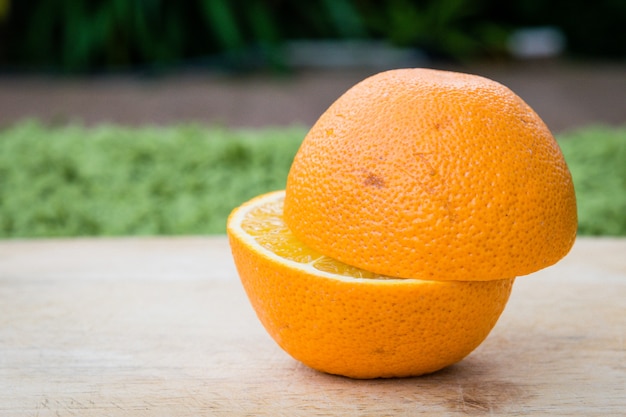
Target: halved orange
<point x="420" y="173"/>
<point x="343" y="320"/>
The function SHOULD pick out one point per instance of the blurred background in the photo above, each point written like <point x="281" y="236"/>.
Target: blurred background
<point x="268" y="62"/>
<point x="95" y="35"/>
<point x="190" y="70"/>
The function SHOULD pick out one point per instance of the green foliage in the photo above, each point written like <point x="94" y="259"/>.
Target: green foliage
<point x="112" y="180"/>
<point x="597" y="160"/>
<point x="91" y="35"/>
<point x="451" y="28"/>
<point x="87" y="35"/>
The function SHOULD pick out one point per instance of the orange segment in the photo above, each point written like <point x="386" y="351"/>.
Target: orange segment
<point x="343" y="320"/>
<point x="265" y="223"/>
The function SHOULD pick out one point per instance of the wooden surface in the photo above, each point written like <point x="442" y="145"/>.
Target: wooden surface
<point x="134" y="327"/>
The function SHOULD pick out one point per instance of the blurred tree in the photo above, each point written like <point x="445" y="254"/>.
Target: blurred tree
<point x="92" y="35"/>
<point x="447" y="28"/>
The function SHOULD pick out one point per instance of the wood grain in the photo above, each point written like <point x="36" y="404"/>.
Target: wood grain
<point x="161" y="326"/>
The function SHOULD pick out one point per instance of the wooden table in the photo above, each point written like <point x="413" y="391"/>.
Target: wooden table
<point x="162" y="326"/>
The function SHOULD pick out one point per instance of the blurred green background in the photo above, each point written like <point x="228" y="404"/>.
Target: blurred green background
<point x="62" y="177"/>
<point x="96" y="35"/>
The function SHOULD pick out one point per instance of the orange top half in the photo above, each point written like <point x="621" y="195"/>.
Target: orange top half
<point x="436" y="175"/>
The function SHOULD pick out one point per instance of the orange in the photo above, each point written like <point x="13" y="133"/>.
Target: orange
<point x="338" y="319"/>
<point x="410" y="208"/>
<point x="428" y="174"/>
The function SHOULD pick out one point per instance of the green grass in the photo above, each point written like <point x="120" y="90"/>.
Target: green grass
<point x="112" y="180"/>
<point x="597" y="159"/>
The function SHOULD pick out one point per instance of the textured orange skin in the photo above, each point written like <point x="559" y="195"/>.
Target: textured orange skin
<point x="368" y="328"/>
<point x="436" y="175"/>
